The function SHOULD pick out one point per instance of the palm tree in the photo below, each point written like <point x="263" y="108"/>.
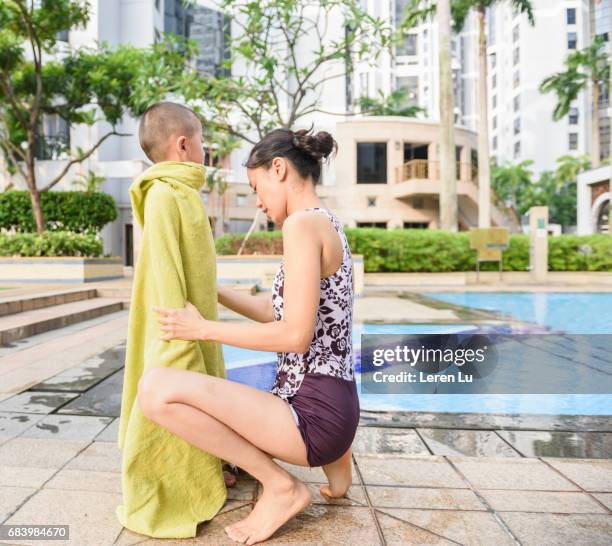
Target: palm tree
<point x="460" y="11"/>
<point x="511" y="184"/>
<point x="448" y="171"/>
<point x="588" y="66"/>
<point x="393" y="104"/>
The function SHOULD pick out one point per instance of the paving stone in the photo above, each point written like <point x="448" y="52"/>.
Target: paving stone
<point x="67" y="427"/>
<point x="110" y="433"/>
<point x="473" y="443"/>
<point x="90" y="514"/>
<point x="39" y="453"/>
<point x="103" y="400"/>
<point x="591" y="475"/>
<point x="565" y="502"/>
<point x="86" y="480"/>
<point x="24" y="476"/>
<point x="583" y="445"/>
<point x="427" y="498"/>
<point x="101" y="456"/>
<point x="13" y="424"/>
<point x="605" y="499"/>
<point x="402" y="526"/>
<point x="328" y="525"/>
<point x="310" y="475"/>
<point x="355" y="496"/>
<point x="381" y="440"/>
<point x="11" y="498"/>
<point x="409" y="470"/>
<point x="36" y="402"/>
<point x="510" y="473"/>
<point x="553" y="529"/>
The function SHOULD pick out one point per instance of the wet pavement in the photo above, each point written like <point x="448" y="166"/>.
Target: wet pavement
<point x="418" y="477"/>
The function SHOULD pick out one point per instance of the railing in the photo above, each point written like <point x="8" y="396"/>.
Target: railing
<point x="424" y="169"/>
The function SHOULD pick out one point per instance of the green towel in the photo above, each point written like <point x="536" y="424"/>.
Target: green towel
<point x="168" y="485"/>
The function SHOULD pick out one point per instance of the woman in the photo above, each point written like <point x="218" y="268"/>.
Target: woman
<point x="311" y="413"/>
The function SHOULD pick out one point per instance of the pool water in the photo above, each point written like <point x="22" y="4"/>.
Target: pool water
<point x="576" y="313"/>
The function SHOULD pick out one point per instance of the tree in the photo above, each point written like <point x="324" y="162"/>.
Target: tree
<point x="39" y="79"/>
<point x="282" y="56"/>
<point x="421" y="10"/>
<point x="588" y="66"/>
<point x="460" y="11"/>
<point x="512" y="184"/>
<point x="448" y="172"/>
<point x="393" y="104"/>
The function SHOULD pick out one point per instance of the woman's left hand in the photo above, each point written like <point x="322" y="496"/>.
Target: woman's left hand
<point x="186" y="323"/>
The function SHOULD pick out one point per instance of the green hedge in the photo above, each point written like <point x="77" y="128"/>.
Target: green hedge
<point x="75" y="211"/>
<point x="50" y="243"/>
<point x="436" y="251"/>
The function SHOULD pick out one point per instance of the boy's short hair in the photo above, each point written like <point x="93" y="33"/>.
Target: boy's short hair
<point x="159" y="122"/>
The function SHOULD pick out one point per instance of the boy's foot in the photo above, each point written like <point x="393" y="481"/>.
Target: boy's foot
<point x="229" y="478"/>
<point x="277" y="505"/>
<point x="339" y="475"/>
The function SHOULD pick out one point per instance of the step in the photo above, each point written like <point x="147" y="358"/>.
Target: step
<point x="20" y="303"/>
<point x="37" y="321"/>
<point x="125" y="293"/>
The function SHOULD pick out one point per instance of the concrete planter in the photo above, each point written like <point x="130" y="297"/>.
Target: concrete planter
<point x="260" y="270"/>
<point x="59" y="270"/>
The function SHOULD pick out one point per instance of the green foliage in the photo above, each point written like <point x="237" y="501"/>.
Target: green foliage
<point x="266" y="45"/>
<point x="89" y="182"/>
<point x="50" y="243"/>
<point x="392" y="105"/>
<point x="590" y="64"/>
<point x="64" y="211"/>
<point x="437" y="251"/>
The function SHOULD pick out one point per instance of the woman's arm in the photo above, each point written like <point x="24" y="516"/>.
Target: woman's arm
<point x="247" y="305"/>
<point x="302" y="265"/>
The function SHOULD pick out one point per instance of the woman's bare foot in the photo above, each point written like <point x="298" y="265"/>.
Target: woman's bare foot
<point x="277" y="505"/>
<point x="339" y="475"/>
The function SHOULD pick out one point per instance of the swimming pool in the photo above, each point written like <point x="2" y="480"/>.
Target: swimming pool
<point x="569" y="312"/>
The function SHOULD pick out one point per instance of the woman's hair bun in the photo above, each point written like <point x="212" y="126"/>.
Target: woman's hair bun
<point x="317" y="145"/>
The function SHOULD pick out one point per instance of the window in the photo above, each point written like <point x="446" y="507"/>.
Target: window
<point x="241" y="200"/>
<point x="517" y="126"/>
<point x="573" y="141"/>
<point x="157" y="3"/>
<point x="410" y="84"/>
<point x="494" y="122"/>
<point x="570" y="16"/>
<point x="516" y="80"/>
<point x="62" y="36"/>
<point x="495" y="142"/>
<point x="517" y="103"/>
<point x="371" y="163"/>
<point x="371" y="201"/>
<point x="53" y="138"/>
<point x="515" y="55"/>
<point x="572" y="40"/>
<point x="517" y="149"/>
<point x="416" y="225"/>
<point x="493" y="60"/>
<point x="239" y="225"/>
<point x="418" y="203"/>
<point x="494" y="80"/>
<point x="408" y="46"/>
<point x="382" y="225"/>
<point x="515" y="33"/>
<point x="573" y="116"/>
<point x="494" y="101"/>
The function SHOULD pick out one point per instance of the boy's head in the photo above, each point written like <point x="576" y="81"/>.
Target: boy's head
<point x="171" y="132"/>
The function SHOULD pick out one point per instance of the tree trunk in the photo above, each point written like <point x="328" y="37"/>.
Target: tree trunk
<point x="595" y="127"/>
<point x="484" y="182"/>
<point x="32" y="189"/>
<point x="448" y="178"/>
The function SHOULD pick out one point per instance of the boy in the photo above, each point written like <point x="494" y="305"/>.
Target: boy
<point x="168" y="485"/>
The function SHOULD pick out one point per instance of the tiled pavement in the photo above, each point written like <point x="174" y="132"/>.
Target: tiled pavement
<point x="419" y="478"/>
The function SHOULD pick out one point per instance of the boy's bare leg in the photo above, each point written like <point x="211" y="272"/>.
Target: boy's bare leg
<point x="339" y="475"/>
